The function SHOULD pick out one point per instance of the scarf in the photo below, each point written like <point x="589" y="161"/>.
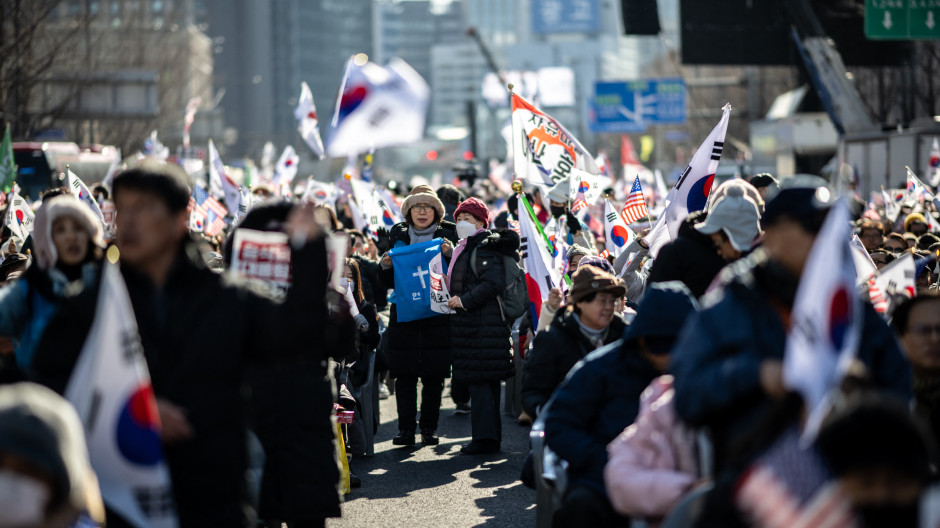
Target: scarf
<point x="457" y="251"/>
<point x="416" y="236"/>
<point x="596" y="337"/>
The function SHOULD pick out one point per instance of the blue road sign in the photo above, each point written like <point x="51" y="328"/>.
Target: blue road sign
<point x="566" y="16"/>
<point x="630" y="106"/>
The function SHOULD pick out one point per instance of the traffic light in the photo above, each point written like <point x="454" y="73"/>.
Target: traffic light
<point x="431" y="155"/>
<point x="640" y="17"/>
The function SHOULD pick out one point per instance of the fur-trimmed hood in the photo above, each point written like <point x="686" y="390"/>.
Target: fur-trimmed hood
<point x="503" y="241"/>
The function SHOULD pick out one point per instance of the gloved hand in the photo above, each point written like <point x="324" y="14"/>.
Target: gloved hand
<point x="382" y="242"/>
<point x="573" y="224"/>
<point x="361" y="322"/>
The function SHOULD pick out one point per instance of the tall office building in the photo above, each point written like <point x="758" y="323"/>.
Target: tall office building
<point x="266" y="49"/>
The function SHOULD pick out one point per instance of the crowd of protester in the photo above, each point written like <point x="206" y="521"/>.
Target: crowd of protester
<point x="634" y="364"/>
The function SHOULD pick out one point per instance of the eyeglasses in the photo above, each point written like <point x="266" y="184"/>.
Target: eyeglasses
<point x="605" y="302"/>
<point x="924" y="330"/>
<point x="894" y="249"/>
<point x="422" y="207"/>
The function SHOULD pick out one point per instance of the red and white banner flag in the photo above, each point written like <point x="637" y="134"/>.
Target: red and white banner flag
<point x="543" y="151"/>
<point x="262" y="255"/>
<point x="540" y="275"/>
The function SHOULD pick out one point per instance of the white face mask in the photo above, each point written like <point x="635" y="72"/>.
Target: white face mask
<point x="465" y="229"/>
<point x="22" y="500"/>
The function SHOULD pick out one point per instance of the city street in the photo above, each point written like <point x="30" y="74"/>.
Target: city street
<point x="437" y="486"/>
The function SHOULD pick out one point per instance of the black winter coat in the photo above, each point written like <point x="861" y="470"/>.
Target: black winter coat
<point x="481" y="339"/>
<point x="690" y="258"/>
<point x="422" y="347"/>
<point x="554" y="352"/>
<point x="595" y="403"/>
<point x="199" y="333"/>
<point x="716" y="360"/>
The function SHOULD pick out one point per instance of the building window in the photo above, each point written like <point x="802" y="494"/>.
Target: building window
<point x="156" y="6"/>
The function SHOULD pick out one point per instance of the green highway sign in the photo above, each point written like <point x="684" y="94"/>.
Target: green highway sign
<point x="902" y="19"/>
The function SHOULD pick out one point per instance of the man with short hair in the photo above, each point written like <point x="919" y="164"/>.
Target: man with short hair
<point x="881" y="258"/>
<point x="728" y="361"/>
<point x="894" y="243"/>
<point x="199" y="333"/>
<point x="916" y="322"/>
<point x="871" y="233"/>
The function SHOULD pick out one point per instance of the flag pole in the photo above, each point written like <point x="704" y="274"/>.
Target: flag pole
<point x="517" y="188"/>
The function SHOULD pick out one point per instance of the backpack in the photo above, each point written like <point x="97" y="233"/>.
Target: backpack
<point x="514" y="301"/>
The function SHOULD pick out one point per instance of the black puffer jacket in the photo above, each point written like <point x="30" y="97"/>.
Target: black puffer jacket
<point x="422" y="347"/>
<point x="481" y="339"/>
<point x="201" y="333"/>
<point x="554" y="352"/>
<point x="690" y="258"/>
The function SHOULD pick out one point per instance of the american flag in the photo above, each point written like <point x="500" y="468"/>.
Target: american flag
<point x="788" y="487"/>
<point x="203" y="206"/>
<point x="635" y="206"/>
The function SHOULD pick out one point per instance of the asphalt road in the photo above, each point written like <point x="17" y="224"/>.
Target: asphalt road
<point x="436" y="486"/>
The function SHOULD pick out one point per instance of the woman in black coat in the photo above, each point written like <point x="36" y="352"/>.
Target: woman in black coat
<point x="555" y="351"/>
<point x="481" y="338"/>
<point x="421" y="348"/>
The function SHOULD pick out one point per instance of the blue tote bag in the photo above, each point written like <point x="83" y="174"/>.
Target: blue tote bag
<point x="413" y="279"/>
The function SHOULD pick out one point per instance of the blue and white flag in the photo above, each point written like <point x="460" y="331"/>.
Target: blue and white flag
<point x="826" y="320"/>
<point x="691" y="191"/>
<point x="308" y="122"/>
<point x="110" y="388"/>
<point x="412" y="296"/>
<point x="78" y="188"/>
<point x="378" y="106"/>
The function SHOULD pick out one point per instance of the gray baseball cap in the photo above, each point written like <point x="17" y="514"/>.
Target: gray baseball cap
<point x="737" y="216"/>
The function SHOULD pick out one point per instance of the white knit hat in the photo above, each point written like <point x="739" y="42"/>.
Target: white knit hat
<point x="559" y="191"/>
<point x="48" y="213"/>
<point x="737" y="215"/>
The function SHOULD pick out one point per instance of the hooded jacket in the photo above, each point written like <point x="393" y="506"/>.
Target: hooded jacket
<point x="480" y="338"/>
<point x="653" y="463"/>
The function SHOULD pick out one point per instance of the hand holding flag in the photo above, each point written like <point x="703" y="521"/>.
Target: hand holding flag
<point x="826" y="320"/>
<point x="110" y="388"/>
